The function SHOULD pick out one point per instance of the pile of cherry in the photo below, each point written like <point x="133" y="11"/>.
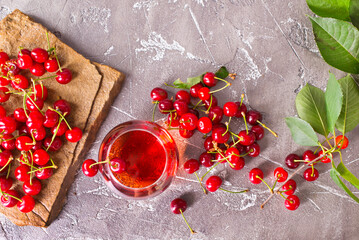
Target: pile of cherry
<point x="29" y="134"/>
<point x="221" y="144"/>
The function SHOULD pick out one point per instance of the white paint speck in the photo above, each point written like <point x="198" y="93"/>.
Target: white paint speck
<point x="147" y="5"/>
<point x="108" y="51"/>
<point x="96" y="15"/>
<point x="252" y="71"/>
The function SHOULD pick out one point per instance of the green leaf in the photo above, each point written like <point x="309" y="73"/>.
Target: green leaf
<point x="302" y="133"/>
<point x="222" y="73"/>
<point x="310" y="103"/>
<point x="354" y="12"/>
<point x="349" y="116"/>
<point x="347" y="175"/>
<point x="333" y="101"/>
<point x="338" y="42"/>
<point x="187" y="85"/>
<point x="334" y="175"/>
<point x="330" y="8"/>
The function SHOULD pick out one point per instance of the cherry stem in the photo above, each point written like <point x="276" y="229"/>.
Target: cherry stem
<point x="275" y="183"/>
<point x="28" y="97"/>
<point x="290" y="188"/>
<point x="215" y="165"/>
<point x="200" y="182"/>
<point x="228" y="84"/>
<point x="245" y="121"/>
<point x="62" y="116"/>
<point x="281" y="194"/>
<point x="57" y="59"/>
<point x="242" y="98"/>
<point x="226" y="159"/>
<point x="96" y="163"/>
<point x="48" y="41"/>
<point x="5" y="194"/>
<point x="31" y="167"/>
<point x="8" y="171"/>
<point x="193" y="232"/>
<point x="290" y="177"/>
<point x="8" y="162"/>
<point x="39" y="169"/>
<point x="270" y="189"/>
<point x="26" y="163"/>
<point x="153" y="112"/>
<point x="243" y="191"/>
<point x="270" y="130"/>
<point x="20" y="48"/>
<point x="210" y="105"/>
<point x="197" y="104"/>
<point x="227" y="125"/>
<point x="24" y="106"/>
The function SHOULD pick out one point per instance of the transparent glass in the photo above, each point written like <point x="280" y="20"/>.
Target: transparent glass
<point x="118" y="137"/>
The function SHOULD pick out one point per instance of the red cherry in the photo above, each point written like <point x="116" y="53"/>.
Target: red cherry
<point x="292" y="202"/>
<point x="51" y="118"/>
<point x="3" y="57"/>
<point x="44" y="173"/>
<point x="8" y="142"/>
<point x="5" y="157"/>
<point x="232" y="154"/>
<point x="10" y="68"/>
<point x="191" y="166"/>
<point x="204" y="94"/>
<point x="181" y="107"/>
<point x="33" y="187"/>
<point x="41" y="157"/>
<point x="289" y="187"/>
<point x="38" y="133"/>
<point x="24" y="62"/>
<point x="216" y="114"/>
<point x="280" y="174"/>
<point x="118" y="165"/>
<point x="7" y="125"/>
<point x="89" y="170"/>
<point x="5" y="183"/>
<point x="178" y="205"/>
<point x="51" y="65"/>
<point x="256" y="176"/>
<point x="24" y="51"/>
<point x="158" y="94"/>
<point x="246" y="139"/>
<point x="61" y="129"/>
<point x="73" y="135"/>
<point x="325" y="157"/>
<point x="165" y="106"/>
<point x="220" y="135"/>
<point x="27" y="204"/>
<point x="37" y="145"/>
<point x="194" y="89"/>
<point x="7" y="199"/>
<point x="290" y="161"/>
<point x="206" y="159"/>
<point x="19" y="115"/>
<point x="193" y="111"/>
<point x="253" y="150"/>
<point x="258" y="132"/>
<point x="186" y="133"/>
<point x="22" y="173"/>
<point x="253" y="117"/>
<point x="19" y="82"/>
<point x="173" y="120"/>
<point x="184" y="96"/>
<point x="237" y="164"/>
<point x="209" y="79"/>
<point x="2" y="112"/>
<point x="38" y="69"/>
<point x="39" y="55"/>
<point x="213" y="183"/>
<point x="4" y="81"/>
<point x="55" y="146"/>
<point x="63" y="106"/>
<point x="230" y="109"/>
<point x="34" y="105"/>
<point x="204" y="125"/>
<point x="309" y="156"/>
<point x="341" y="142"/>
<point x="240" y="147"/>
<point x="64" y="77"/>
<point x="208" y="143"/>
<point x="40" y="91"/>
<point x="23" y="143"/>
<point x="25" y="158"/>
<point x="311" y="174"/>
<point x="35" y="120"/>
<point x="242" y="109"/>
<point x="188" y="121"/>
<point x="4" y="94"/>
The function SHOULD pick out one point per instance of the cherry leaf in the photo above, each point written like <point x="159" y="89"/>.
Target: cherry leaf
<point x="349" y="116"/>
<point x="302" y="133"/>
<point x="333" y="101"/>
<point x="310" y="103"/>
<point x="222" y="72"/>
<point x="354" y="12"/>
<point x="335" y="176"/>
<point x="328" y="8"/>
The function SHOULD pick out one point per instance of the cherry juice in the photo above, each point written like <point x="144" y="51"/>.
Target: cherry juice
<point x="151" y="157"/>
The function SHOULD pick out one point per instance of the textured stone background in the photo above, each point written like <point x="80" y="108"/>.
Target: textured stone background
<point x="268" y="43"/>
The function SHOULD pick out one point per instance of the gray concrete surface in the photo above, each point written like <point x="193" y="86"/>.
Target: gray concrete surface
<point x="269" y="44"/>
